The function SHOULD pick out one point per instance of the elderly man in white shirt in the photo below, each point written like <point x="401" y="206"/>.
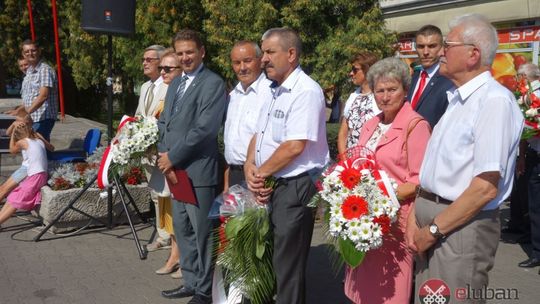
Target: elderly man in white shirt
<point x="245" y="103"/>
<point x="468" y="168"/>
<point x="529" y="173"/>
<point x="290" y="145"/>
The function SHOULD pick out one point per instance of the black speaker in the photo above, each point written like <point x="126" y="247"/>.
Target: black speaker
<point x="115" y="17"/>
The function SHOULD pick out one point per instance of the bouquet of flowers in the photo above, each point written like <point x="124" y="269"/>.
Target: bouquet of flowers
<point x="360" y="205"/>
<point x="529" y="104"/>
<point x="244" y="250"/>
<point x="134" y="137"/>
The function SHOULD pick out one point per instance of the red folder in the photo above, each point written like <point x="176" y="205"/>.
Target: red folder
<point x="180" y="186"/>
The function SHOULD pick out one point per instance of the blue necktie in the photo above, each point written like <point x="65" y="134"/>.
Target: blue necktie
<point x="179" y="93"/>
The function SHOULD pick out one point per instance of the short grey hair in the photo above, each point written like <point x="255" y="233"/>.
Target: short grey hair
<point x="389" y="68"/>
<point x="156" y="47"/>
<point x="530" y="70"/>
<point x="258" y="52"/>
<point x="478" y="30"/>
<point x="289" y="38"/>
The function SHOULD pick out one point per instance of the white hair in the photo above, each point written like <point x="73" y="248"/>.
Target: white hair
<point x="530" y="70"/>
<point x="477" y="30"/>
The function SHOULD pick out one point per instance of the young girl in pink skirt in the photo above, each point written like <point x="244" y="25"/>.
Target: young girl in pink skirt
<point x="27" y="195"/>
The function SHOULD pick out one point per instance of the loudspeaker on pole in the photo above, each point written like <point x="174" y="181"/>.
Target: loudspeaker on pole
<point x="113" y="17"/>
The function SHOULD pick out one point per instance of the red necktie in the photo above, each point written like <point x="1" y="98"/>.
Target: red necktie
<point x="421" y="86"/>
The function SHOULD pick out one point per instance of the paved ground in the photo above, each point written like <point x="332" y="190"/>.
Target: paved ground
<point x="102" y="266"/>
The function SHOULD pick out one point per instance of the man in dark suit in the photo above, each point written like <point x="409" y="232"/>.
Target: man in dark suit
<point x="427" y="92"/>
<point x="189" y="125"/>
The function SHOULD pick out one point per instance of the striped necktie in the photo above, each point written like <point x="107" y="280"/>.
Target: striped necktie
<point x="179" y="93"/>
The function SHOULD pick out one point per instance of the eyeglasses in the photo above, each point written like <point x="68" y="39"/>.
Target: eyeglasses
<point x="450" y="44"/>
<point x="148" y="59"/>
<point x="167" y="69"/>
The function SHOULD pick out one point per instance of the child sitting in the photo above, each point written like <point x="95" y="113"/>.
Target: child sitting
<point x="20" y="174"/>
<point x="27" y="195"/>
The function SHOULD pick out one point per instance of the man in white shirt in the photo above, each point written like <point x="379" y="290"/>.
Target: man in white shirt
<point x="152" y="92"/>
<point x="289" y="145"/>
<point x="245" y="103"/>
<point x="468" y="167"/>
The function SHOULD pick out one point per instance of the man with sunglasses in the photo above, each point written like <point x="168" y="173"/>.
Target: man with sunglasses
<point x="427" y="92"/>
<point x="468" y="167"/>
<point x="152" y="92"/>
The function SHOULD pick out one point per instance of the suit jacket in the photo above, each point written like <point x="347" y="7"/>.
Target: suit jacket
<point x="190" y="135"/>
<point x="390" y="153"/>
<point x="157" y="103"/>
<point x="433" y="101"/>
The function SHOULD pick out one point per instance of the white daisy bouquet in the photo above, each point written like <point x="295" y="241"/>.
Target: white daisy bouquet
<point x="360" y="205"/>
<point x="134" y="137"/>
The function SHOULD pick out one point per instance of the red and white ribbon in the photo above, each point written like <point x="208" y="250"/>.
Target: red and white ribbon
<point x="103" y="172"/>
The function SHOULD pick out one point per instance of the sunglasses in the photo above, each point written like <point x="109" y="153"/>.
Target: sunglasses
<point x="148" y="59"/>
<point x="167" y="69"/>
<point x="354" y="69"/>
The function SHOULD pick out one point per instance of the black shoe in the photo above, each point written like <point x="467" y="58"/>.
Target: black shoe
<point x="200" y="299"/>
<point x="524" y="239"/>
<point x="177" y="293"/>
<point x="531" y="262"/>
<point x="511" y="230"/>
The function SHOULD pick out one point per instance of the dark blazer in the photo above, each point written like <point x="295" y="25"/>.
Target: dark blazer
<point x="190" y="135"/>
<point x="433" y="101"/>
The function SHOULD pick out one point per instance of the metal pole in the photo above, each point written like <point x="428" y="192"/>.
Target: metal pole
<point x="58" y="60"/>
<point x="32" y="32"/>
<point x="109" y="122"/>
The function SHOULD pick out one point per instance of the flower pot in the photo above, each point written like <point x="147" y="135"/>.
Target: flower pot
<point x="53" y="201"/>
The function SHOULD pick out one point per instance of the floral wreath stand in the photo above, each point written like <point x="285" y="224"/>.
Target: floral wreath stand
<point x="125" y="199"/>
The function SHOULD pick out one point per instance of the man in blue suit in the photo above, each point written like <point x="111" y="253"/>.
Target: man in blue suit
<point x="427" y="92"/>
<point x="188" y="128"/>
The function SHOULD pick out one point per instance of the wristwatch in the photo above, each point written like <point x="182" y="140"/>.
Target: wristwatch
<point x="434" y="230"/>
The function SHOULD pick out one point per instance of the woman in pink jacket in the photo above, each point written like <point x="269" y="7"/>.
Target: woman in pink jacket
<point x="398" y="136"/>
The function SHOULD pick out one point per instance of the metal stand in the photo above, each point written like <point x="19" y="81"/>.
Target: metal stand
<point x="123" y="192"/>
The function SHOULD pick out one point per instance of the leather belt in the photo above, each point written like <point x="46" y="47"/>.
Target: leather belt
<point x="284" y="181"/>
<point x="236" y="167"/>
<point x="432" y="196"/>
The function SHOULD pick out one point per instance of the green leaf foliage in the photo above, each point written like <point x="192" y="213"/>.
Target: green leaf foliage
<point x="247" y="257"/>
<point x="352" y="257"/>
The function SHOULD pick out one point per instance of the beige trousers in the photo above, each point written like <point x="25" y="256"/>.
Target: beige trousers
<point x="463" y="259"/>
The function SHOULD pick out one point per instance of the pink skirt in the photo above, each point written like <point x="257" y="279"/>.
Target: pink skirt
<point x="28" y="194"/>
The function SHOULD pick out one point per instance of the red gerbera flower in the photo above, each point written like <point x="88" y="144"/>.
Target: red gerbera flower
<point x="384" y="222"/>
<point x="350" y="177"/>
<point x="354" y="207"/>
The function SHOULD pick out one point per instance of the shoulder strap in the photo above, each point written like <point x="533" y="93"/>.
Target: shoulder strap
<point x="410" y="128"/>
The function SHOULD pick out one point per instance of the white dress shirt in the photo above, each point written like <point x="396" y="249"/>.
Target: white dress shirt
<point x="430" y="72"/>
<point x="479" y="132"/>
<point x="296" y="112"/>
<point x="242" y="117"/>
<point x="191" y="76"/>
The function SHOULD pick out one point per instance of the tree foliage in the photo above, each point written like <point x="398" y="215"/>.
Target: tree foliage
<point x="331" y="30"/>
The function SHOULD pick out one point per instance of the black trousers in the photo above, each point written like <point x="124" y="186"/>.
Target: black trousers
<point x="292" y="224"/>
<point x="236" y="175"/>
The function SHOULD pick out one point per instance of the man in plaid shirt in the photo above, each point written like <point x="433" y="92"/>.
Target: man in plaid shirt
<point x="39" y="90"/>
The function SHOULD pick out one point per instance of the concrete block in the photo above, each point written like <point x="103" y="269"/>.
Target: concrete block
<point x="52" y="203"/>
